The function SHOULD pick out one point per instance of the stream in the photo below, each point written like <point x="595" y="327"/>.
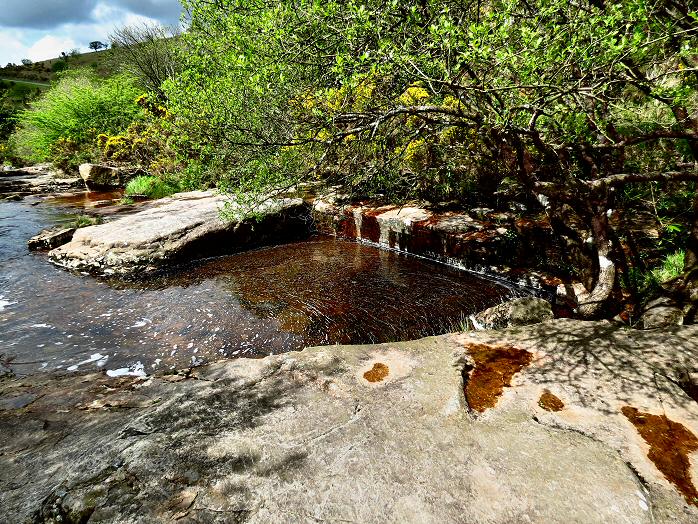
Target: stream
<point x="252" y="304"/>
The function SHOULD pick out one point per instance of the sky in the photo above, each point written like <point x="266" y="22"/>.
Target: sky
<point x="41" y="29"/>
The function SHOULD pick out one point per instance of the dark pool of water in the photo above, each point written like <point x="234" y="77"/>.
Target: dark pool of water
<point x="322" y="291"/>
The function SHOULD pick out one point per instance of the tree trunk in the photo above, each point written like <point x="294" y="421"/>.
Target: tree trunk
<point x="691" y="259"/>
<point x="591" y="302"/>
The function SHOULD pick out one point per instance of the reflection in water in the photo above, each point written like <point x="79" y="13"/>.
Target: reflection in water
<point x="322" y="291"/>
<point x="87" y="199"/>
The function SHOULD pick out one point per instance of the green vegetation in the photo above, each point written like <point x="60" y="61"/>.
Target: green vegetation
<point x="86" y="220"/>
<point x="647" y="283"/>
<point x="578" y="111"/>
<point x="62" y="126"/>
<point x="46" y="71"/>
<point x="150" y="187"/>
<point x="14" y="96"/>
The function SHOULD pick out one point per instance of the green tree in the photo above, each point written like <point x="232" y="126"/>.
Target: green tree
<point x="571" y="101"/>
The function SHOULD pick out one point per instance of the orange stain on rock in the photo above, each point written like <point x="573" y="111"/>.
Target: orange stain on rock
<point x="495" y="366"/>
<point x="550" y="402"/>
<point x="377" y="373"/>
<point x="671" y="444"/>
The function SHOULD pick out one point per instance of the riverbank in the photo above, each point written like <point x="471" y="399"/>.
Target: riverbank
<point x="380" y="433"/>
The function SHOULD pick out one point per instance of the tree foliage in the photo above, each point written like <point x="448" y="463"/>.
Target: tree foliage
<point x="567" y="101"/>
<point x="63" y="124"/>
<point x="147" y="51"/>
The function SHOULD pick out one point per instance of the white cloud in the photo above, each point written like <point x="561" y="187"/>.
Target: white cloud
<point x="12" y="49"/>
<point x="50" y="47"/>
<point x="98" y="22"/>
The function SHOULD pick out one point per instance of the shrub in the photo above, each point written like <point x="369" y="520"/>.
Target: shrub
<point x="58" y="66"/>
<point x="150" y="187"/>
<point x="645" y="283"/>
<point x="86" y="220"/>
<point x="74" y="111"/>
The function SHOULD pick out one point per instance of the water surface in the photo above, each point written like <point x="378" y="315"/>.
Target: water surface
<point x="320" y="291"/>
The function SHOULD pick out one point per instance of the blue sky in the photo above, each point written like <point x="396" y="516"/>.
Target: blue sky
<point x="41" y="29"/>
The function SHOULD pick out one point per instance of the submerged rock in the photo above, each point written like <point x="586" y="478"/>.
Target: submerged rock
<point x="183" y="227"/>
<point x="518" y="312"/>
<point x="51" y="238"/>
<point x="371" y="433"/>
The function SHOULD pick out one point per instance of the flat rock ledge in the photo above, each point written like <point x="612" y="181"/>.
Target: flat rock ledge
<point x="38" y="179"/>
<point x="182" y="227"/>
<point x="372" y="433"/>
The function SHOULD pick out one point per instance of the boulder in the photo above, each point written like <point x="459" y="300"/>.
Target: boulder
<point x="98" y="176"/>
<point x="517" y="312"/>
<point x="51" y="238"/>
<point x="659" y="313"/>
<point x="183" y="227"/>
<point x="548" y="431"/>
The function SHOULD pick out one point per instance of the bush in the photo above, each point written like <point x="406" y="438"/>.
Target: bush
<point x="645" y="283"/>
<point x="74" y="111"/>
<point x="145" y="143"/>
<point x="58" y="66"/>
<point x="150" y="187"/>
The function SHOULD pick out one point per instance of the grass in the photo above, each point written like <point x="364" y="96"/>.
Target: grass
<point x="649" y="281"/>
<point x="86" y="220"/>
<point x="150" y="187"/>
<point x="29" y="83"/>
<point x="672" y="267"/>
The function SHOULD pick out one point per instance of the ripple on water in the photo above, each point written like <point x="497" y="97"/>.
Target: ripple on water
<point x="322" y="291"/>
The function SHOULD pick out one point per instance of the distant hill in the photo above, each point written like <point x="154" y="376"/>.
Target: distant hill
<point x="46" y="70"/>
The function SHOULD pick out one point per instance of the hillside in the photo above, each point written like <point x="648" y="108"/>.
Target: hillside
<point x="45" y="71"/>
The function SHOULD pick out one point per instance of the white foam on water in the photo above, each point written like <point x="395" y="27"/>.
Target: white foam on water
<point x="4" y="303"/>
<point x="142" y="323"/>
<point x="95" y="357"/>
<point x="41" y="326"/>
<point x="136" y="370"/>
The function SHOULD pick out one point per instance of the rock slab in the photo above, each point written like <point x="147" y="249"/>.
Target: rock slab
<point x="51" y="238"/>
<point x="16" y="183"/>
<point x="183" y="227"/>
<point x="518" y="312"/>
<point x="374" y="434"/>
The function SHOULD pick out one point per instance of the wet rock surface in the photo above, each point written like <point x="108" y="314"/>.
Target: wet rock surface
<point x="17" y="183"/>
<point x="517" y="312"/>
<point x="51" y="238"/>
<point x="183" y="227"/>
<point x="308" y="436"/>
